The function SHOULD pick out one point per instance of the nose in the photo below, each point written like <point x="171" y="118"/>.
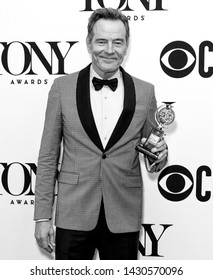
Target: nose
<point x="109" y="48"/>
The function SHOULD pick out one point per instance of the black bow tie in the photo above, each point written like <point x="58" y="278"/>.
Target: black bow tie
<point x="98" y="83"/>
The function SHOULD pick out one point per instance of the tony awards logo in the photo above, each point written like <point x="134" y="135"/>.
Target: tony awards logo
<point x="164" y="116"/>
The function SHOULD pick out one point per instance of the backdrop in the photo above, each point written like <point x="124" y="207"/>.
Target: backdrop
<point x="171" y="47"/>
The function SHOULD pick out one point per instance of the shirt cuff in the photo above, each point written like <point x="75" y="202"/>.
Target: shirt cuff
<point x="42" y="220"/>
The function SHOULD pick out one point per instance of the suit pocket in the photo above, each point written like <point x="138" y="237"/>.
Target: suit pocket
<point x="133" y="181"/>
<point x="68" y="178"/>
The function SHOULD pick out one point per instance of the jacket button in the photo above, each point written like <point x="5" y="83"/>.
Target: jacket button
<point x="103" y="156"/>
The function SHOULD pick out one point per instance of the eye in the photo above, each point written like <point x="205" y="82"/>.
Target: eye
<point x="118" y="43"/>
<point x="178" y="59"/>
<point x="175" y="183"/>
<point x="101" y="42"/>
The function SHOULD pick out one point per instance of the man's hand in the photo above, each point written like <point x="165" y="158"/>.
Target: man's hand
<point x="44" y="234"/>
<point x="161" y="149"/>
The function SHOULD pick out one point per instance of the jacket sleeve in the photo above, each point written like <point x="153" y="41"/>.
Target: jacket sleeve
<point x="49" y="154"/>
<point x="150" y="117"/>
<point x="149" y="124"/>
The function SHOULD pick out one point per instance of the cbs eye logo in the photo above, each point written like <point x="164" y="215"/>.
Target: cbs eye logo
<point x="178" y="59"/>
<point x="176" y="183"/>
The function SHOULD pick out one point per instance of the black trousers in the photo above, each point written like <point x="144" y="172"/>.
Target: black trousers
<point x="81" y="245"/>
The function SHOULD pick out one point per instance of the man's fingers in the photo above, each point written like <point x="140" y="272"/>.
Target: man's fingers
<point x="44" y="235"/>
<point x="52" y="238"/>
<point x="42" y="241"/>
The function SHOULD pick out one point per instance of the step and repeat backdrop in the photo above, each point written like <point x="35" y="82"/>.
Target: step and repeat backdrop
<point x="171" y="46"/>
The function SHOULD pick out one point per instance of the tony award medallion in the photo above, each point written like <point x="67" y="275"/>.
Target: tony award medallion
<point x="164" y="116"/>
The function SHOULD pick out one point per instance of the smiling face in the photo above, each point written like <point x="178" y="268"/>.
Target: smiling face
<point x="107" y="47"/>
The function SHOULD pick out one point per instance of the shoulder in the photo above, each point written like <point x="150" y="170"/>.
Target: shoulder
<point x="138" y="83"/>
<point x="141" y="83"/>
<point x="67" y="79"/>
<point x="144" y="90"/>
<point x="72" y="79"/>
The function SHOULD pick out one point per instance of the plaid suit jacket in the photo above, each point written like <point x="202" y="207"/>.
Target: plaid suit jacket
<point x="89" y="172"/>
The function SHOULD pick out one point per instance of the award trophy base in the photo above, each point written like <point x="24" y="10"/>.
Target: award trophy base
<point x="146" y="152"/>
<point x="154" y="137"/>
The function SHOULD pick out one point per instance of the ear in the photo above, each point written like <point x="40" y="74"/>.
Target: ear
<point x="88" y="45"/>
<point x="127" y="47"/>
<point x="125" y="52"/>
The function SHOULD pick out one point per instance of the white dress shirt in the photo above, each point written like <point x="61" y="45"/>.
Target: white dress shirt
<point x="107" y="106"/>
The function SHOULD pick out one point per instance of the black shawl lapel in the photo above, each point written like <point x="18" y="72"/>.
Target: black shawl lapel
<point x="85" y="110"/>
<point x="84" y="106"/>
<point x="128" y="110"/>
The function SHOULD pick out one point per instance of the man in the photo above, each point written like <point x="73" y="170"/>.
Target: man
<point x="99" y="200"/>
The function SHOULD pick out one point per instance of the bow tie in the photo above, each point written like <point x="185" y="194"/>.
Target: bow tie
<point x="98" y="83"/>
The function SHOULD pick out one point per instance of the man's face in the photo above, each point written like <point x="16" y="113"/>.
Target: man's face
<point x="108" y="46"/>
